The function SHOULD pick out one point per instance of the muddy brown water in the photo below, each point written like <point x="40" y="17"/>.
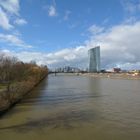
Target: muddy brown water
<point x="68" y="107"/>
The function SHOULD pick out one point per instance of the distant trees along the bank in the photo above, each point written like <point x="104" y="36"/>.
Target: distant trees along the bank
<point x="18" y="77"/>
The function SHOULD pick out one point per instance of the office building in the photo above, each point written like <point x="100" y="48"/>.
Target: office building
<point x="94" y="59"/>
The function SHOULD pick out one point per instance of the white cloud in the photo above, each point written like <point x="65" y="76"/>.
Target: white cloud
<point x="11" y="6"/>
<point x="13" y="40"/>
<point x="94" y="29"/>
<point x="20" y="21"/>
<point x="4" y="20"/>
<point x="131" y="6"/>
<point x="120" y="47"/>
<point x="9" y="10"/>
<point x="73" y="57"/>
<point x="52" y="11"/>
<point x="67" y="14"/>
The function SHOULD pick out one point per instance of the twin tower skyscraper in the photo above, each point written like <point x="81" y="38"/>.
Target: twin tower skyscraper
<point x="94" y="59"/>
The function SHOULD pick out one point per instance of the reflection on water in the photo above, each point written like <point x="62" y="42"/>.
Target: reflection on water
<point x="76" y="108"/>
<point x="62" y="120"/>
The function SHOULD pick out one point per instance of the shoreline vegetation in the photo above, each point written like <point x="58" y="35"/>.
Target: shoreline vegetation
<point x="17" y="79"/>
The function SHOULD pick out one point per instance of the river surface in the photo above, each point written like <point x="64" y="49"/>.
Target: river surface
<point x="66" y="107"/>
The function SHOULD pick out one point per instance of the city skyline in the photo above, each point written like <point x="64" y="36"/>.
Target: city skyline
<point x="56" y="33"/>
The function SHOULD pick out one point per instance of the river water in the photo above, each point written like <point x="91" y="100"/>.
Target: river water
<point x="68" y="107"/>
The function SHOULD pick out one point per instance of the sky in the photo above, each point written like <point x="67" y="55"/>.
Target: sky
<point x="59" y="33"/>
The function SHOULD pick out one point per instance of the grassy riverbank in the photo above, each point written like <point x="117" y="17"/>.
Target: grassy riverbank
<point x="17" y="79"/>
<point x="16" y="93"/>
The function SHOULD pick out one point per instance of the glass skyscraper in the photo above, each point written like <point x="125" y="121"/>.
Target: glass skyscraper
<point x="94" y="59"/>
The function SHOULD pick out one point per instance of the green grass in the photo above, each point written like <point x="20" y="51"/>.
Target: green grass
<point x="3" y="86"/>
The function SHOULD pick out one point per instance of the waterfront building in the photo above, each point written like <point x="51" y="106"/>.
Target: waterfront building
<point x="116" y="70"/>
<point x="94" y="59"/>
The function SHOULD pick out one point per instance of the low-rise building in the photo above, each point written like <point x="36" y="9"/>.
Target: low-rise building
<point x="117" y="70"/>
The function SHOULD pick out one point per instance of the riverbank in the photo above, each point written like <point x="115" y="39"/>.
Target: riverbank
<point x="17" y="79"/>
<point x="126" y="76"/>
<point x="113" y="75"/>
<point x="16" y="92"/>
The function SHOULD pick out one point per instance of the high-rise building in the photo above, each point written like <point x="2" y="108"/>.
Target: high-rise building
<point x="94" y="59"/>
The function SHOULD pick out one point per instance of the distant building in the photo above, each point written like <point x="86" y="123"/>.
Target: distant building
<point x="116" y="70"/>
<point x="103" y="71"/>
<point x="94" y="59"/>
<point x="67" y="69"/>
